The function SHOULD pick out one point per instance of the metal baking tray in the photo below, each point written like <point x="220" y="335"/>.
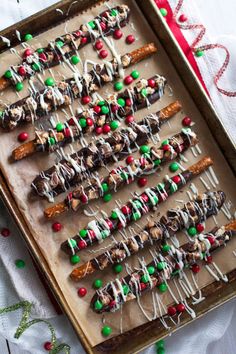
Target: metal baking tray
<point x="144" y="335"/>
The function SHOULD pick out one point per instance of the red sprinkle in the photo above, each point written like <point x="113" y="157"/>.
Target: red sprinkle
<point x="130" y="39"/>
<point x="195" y="268"/>
<point x="89" y="122"/>
<point x="82" y="292"/>
<point x="199" y="228"/>
<point x="98" y="130"/>
<point x="142" y="181"/>
<point x="82" y="244"/>
<point x="84" y="40"/>
<point x="151" y="83"/>
<point x="129" y="160"/>
<point x="180" y="308"/>
<point x="183" y="18"/>
<point x="209" y="259"/>
<point x="85" y="99"/>
<point x="42" y="57"/>
<point x="171" y="311"/>
<point x="97" y="109"/>
<point x="84" y="198"/>
<point x="143" y="286"/>
<point x="103" y="53"/>
<point x="126" y="210"/>
<point x="99" y="45"/>
<point x="56" y="226"/>
<point x="186" y="121"/>
<point x="106" y="129"/>
<point x="28" y="52"/>
<point x="128" y="102"/>
<point x="144" y="197"/>
<point x="166" y="147"/>
<point x="48" y="346"/>
<point x="176" y="179"/>
<point x="128" y="80"/>
<point x="117" y="34"/>
<point x="22" y="71"/>
<point x="23" y="137"/>
<point x="129" y="119"/>
<point x="5" y="232"/>
<point x="67" y="133"/>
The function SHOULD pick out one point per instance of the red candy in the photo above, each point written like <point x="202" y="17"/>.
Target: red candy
<point x="77" y="34"/>
<point x="89" y="122"/>
<point x="28" y="52"/>
<point x="84" y="40"/>
<point x="114" y="108"/>
<point x="5" y="232"/>
<point x="48" y="346"/>
<point x="120" y="226"/>
<point x="92" y="234"/>
<point x="195" y="268"/>
<point x="103" y="26"/>
<point x="42" y="57"/>
<point x="82" y="292"/>
<point x="98" y="130"/>
<point x="109" y="223"/>
<point x="22" y="71"/>
<point x="142" y="181"/>
<point x="199" y="228"/>
<point x="183" y="18"/>
<point x="112" y="304"/>
<point x="82" y="244"/>
<point x="144" y="197"/>
<point x="171" y="311"/>
<point x="103" y="53"/>
<point x="71" y="121"/>
<point x="126" y="210"/>
<point x="176" y="179"/>
<point x="130" y="39"/>
<point x="186" y="121"/>
<point x="209" y="259"/>
<point x="84" y="198"/>
<point x="142" y="161"/>
<point x="56" y="226"/>
<point x="151" y="83"/>
<point x="128" y="102"/>
<point x="97" y="109"/>
<point x="211" y="239"/>
<point x="106" y="129"/>
<point x="166" y="147"/>
<point x="117" y="34"/>
<point x="129" y="119"/>
<point x="143" y="286"/>
<point x="99" y="45"/>
<point x="180" y="308"/>
<point x="129" y="160"/>
<point x="23" y="137"/>
<point x="67" y="133"/>
<point x="85" y="99"/>
<point x="128" y="80"/>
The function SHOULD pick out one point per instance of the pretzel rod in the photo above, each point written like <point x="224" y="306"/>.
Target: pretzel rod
<point x="113" y="180"/>
<point x="64" y="46"/>
<point x="133" y="210"/>
<point x="120" y="291"/>
<point x="75" y="168"/>
<point x="65" y="92"/>
<point x="88" y="120"/>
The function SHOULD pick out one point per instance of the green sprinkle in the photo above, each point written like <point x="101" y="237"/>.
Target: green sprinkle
<point x="92" y="24"/>
<point x="199" y="53"/>
<point x="97" y="284"/>
<point x="118" y="86"/>
<point x="114" y="125"/>
<point x="28" y="37"/>
<point x="105" y="187"/>
<point x="174" y="166"/>
<point x="144" y="149"/>
<point x="49" y="81"/>
<point x="164" y="12"/>
<point x="19" y="86"/>
<point x="117" y="268"/>
<point x="126" y="289"/>
<point x="59" y="44"/>
<point x="82" y="122"/>
<point x="20" y="263"/>
<point x="83" y="233"/>
<point x="121" y="102"/>
<point x="114" y="12"/>
<point x="151" y="270"/>
<point x="135" y="74"/>
<point x="40" y="50"/>
<point x="105" y="110"/>
<point x="75" y="59"/>
<point x="8" y="74"/>
<point x="75" y="259"/>
<point x="98" y="305"/>
<point x="192" y="231"/>
<point x="51" y="141"/>
<point x="166" y="248"/>
<point x="144" y="92"/>
<point x="72" y="243"/>
<point x="145" y="278"/>
<point x="162" y="287"/>
<point x="106" y="331"/>
<point x="36" y="66"/>
<point x="60" y="127"/>
<point x="107" y="197"/>
<point x="114" y="215"/>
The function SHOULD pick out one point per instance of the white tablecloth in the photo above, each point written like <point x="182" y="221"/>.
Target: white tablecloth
<point x="215" y="333"/>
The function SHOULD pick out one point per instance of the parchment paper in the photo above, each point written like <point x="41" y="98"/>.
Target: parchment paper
<point x="21" y="174"/>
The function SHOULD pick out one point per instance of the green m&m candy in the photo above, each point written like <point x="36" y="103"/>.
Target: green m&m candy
<point x="165" y="142"/>
<point x="105" y="187"/>
<point x="121" y="102"/>
<point x="136" y="216"/>
<point x="114" y="215"/>
<point x="40" y="50"/>
<point x="192" y="231"/>
<point x="151" y="270"/>
<point x="59" y="44"/>
<point x="162" y="287"/>
<point x="161" y="265"/>
<point x="72" y="243"/>
<point x="19" y="86"/>
<point x="105" y="110"/>
<point x="51" y="141"/>
<point x="75" y="59"/>
<point x="98" y="305"/>
<point x="82" y="122"/>
<point x="117" y="268"/>
<point x="60" y="127"/>
<point x="75" y="259"/>
<point x="199" y="53"/>
<point x="160" y="343"/>
<point x="114" y="125"/>
<point x="20" y="263"/>
<point x="144" y="149"/>
<point x="97" y="284"/>
<point x="114" y="12"/>
<point x="106" y="331"/>
<point x="135" y="74"/>
<point x="166" y="248"/>
<point x="107" y="197"/>
<point x="83" y="233"/>
<point x="144" y="92"/>
<point x="28" y="37"/>
<point x="8" y="74"/>
<point x="49" y="81"/>
<point x="163" y="11"/>
<point x="118" y="86"/>
<point x="101" y="103"/>
<point x="36" y="66"/>
<point x="105" y="234"/>
<point x="174" y="166"/>
<point x="125" y="289"/>
<point x="92" y="24"/>
<point x="157" y="162"/>
<point x="144" y="278"/>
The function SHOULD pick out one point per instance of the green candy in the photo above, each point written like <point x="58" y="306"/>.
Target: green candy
<point x="121" y="102"/>
<point x="114" y="215"/>
<point x="192" y="231"/>
<point x="60" y="127"/>
<point x="160" y="343"/>
<point x="97" y="284"/>
<point x="51" y="141"/>
<point x="161" y="265"/>
<point x="20" y="263"/>
<point x="125" y="289"/>
<point x="59" y="44"/>
<point x="151" y="270"/>
<point x="161" y="350"/>
<point x="144" y="149"/>
<point x="107" y="197"/>
<point x="106" y="331"/>
<point x="164" y="12"/>
<point x="105" y="234"/>
<point x="75" y="59"/>
<point x="19" y="86"/>
<point x="105" y="187"/>
<point x="49" y="81"/>
<point x="114" y="125"/>
<point x="82" y="122"/>
<point x="161" y="186"/>
<point x="165" y="142"/>
<point x="199" y="53"/>
<point x="173" y="188"/>
<point x="118" y="86"/>
<point x="136" y="216"/>
<point x="145" y="278"/>
<point x="137" y="204"/>
<point x="124" y="176"/>
<point x="75" y="259"/>
<point x="114" y="12"/>
<point x="162" y="287"/>
<point x="105" y="110"/>
<point x="1" y="114"/>
<point x="8" y="74"/>
<point x="166" y="248"/>
<point x="98" y="305"/>
<point x="92" y="24"/>
<point x="118" y="268"/>
<point x="157" y="162"/>
<point x="144" y="92"/>
<point x="174" y="166"/>
<point x="40" y="50"/>
<point x="101" y="103"/>
<point x="135" y="74"/>
<point x="83" y="233"/>
<point x="28" y="37"/>
<point x="36" y="66"/>
<point x="72" y="243"/>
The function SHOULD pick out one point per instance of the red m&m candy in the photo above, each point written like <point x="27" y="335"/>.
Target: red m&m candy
<point x="22" y="71"/>
<point x="99" y="45"/>
<point x="56" y="226"/>
<point x="103" y="53"/>
<point x="128" y="80"/>
<point x="186" y="121"/>
<point x="84" y="40"/>
<point x="129" y="160"/>
<point x="48" y="346"/>
<point x="142" y="181"/>
<point x="85" y="99"/>
<point x="97" y="109"/>
<point x="171" y="311"/>
<point x="5" y="232"/>
<point x="106" y="129"/>
<point x="117" y="34"/>
<point x="98" y="130"/>
<point x="195" y="268"/>
<point x="23" y="137"/>
<point x="151" y="83"/>
<point x="129" y="119"/>
<point x="180" y="308"/>
<point x="82" y="244"/>
<point x="130" y="39"/>
<point x="82" y="292"/>
<point x="199" y="228"/>
<point x="28" y="52"/>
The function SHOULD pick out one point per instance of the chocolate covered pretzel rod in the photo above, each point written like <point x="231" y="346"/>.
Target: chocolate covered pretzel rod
<point x="99" y="229"/>
<point x="78" y="166"/>
<point x="97" y="186"/>
<point x="103" y="112"/>
<point x="65" y="92"/>
<point x="120" y="291"/>
<point x="64" y="46"/>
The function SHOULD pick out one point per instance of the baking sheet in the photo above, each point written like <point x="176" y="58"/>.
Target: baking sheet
<point x="21" y="174"/>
